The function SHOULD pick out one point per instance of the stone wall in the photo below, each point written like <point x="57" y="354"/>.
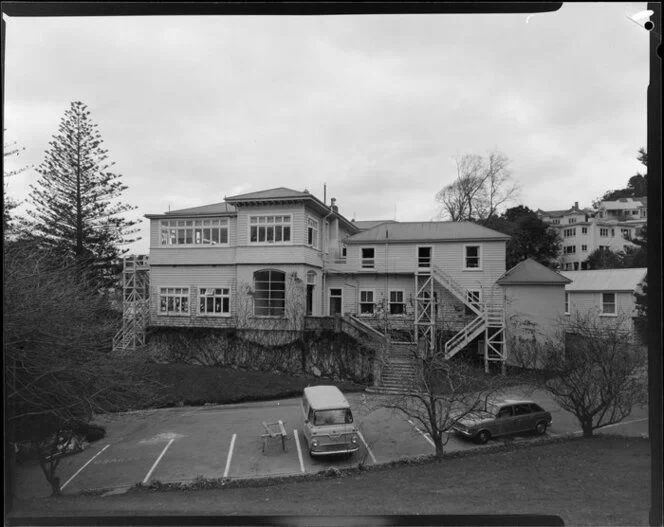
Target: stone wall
<point x="319" y="353"/>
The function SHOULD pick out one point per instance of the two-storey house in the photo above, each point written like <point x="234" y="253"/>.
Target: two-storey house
<point x="236" y="264"/>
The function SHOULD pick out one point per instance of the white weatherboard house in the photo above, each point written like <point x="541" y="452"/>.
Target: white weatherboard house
<point x="207" y="264"/>
<point x="534" y="301"/>
<point x="606" y="293"/>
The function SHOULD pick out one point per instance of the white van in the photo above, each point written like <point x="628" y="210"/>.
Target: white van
<point x="328" y="422"/>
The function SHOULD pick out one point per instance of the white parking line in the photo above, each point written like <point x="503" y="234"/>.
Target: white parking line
<point x="624" y="423"/>
<point x="299" y="450"/>
<point x="230" y="455"/>
<point x="425" y="436"/>
<point x="79" y="470"/>
<point x="147" y="476"/>
<point x="367" y="447"/>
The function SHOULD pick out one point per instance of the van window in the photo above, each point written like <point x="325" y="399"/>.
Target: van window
<point x="333" y="417"/>
<point x="310" y="415"/>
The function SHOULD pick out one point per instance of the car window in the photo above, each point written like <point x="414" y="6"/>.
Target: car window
<point x="536" y="407"/>
<point x="310" y="417"/>
<point x="521" y="409"/>
<point x="333" y="417"/>
<point x="505" y="411"/>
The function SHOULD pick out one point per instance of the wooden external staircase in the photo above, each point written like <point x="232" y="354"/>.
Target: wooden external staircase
<point x="135" y="305"/>
<point x="489" y="317"/>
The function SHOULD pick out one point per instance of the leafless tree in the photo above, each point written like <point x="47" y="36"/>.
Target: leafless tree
<point x="591" y="366"/>
<point x="59" y="371"/>
<point x="480" y="189"/>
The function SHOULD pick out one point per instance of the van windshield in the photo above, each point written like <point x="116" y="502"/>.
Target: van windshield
<point x="333" y="417"/>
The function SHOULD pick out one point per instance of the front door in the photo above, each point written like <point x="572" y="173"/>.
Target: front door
<point x="335" y="302"/>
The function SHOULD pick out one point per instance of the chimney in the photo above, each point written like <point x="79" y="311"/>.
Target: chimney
<point x="333" y="204"/>
<point x="576" y="205"/>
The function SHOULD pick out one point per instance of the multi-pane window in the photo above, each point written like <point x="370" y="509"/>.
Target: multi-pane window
<point x="569" y="232"/>
<point x="613" y="232"/>
<point x="584" y="230"/>
<point x="555" y="222"/>
<point x="584" y="248"/>
<point x="569" y="249"/>
<point x="626" y="233"/>
<point x="366" y="302"/>
<point x="194" y="232"/>
<point x="643" y="213"/>
<point x="174" y="301"/>
<point x="567" y="303"/>
<point x="397" y="305"/>
<point x="368" y="257"/>
<point x="269" y="293"/>
<point x="472" y="257"/>
<point x="604" y="232"/>
<point x="312" y="233"/>
<point x="214" y="301"/>
<point x="269" y="229"/>
<point x="424" y="257"/>
<point x="609" y="303"/>
<point x="571" y="220"/>
<point x="473" y="297"/>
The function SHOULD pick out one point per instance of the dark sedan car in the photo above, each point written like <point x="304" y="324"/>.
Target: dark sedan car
<point x="503" y="417"/>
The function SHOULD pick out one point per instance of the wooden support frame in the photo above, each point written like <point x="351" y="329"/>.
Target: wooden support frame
<point x="274" y="431"/>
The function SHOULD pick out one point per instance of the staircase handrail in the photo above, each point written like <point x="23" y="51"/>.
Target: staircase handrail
<point x="366" y="328"/>
<point x="453" y="286"/>
<point x="476" y="324"/>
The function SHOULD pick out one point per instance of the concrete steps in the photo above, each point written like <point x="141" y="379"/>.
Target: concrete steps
<point x="399" y="374"/>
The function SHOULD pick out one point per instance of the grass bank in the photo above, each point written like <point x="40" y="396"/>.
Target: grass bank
<point x="598" y="481"/>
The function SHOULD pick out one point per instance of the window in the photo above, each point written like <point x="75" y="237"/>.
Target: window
<point x="569" y="232"/>
<point x="536" y="407"/>
<point x="472" y="257"/>
<point x="269" y="293"/>
<point x="343" y="251"/>
<point x="312" y="233"/>
<point x="368" y="257"/>
<point x="474" y="297"/>
<point x="521" y="409"/>
<point x="555" y="222"/>
<point x="424" y="257"/>
<point x="214" y="301"/>
<point x="174" y="301"/>
<point x="269" y="229"/>
<point x="604" y="232"/>
<point x="608" y="303"/>
<point x="194" y="232"/>
<point x="613" y="233"/>
<point x="584" y="230"/>
<point x="397" y="305"/>
<point x="643" y="213"/>
<point x="567" y="303"/>
<point x="635" y="212"/>
<point x="569" y="249"/>
<point x="576" y="266"/>
<point x="584" y="248"/>
<point x="571" y="220"/>
<point x="626" y="233"/>
<point x="366" y="302"/>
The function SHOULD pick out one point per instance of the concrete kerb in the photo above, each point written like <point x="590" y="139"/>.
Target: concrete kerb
<point x="200" y="483"/>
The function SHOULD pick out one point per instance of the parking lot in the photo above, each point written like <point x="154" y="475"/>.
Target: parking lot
<point x="181" y="444"/>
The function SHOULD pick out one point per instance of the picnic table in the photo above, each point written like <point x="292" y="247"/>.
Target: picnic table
<point x="274" y="430"/>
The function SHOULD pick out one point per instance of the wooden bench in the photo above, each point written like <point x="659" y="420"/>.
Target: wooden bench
<point x="274" y="430"/>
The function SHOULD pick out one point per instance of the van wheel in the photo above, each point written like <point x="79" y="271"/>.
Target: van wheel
<point x="540" y="428"/>
<point x="483" y="437"/>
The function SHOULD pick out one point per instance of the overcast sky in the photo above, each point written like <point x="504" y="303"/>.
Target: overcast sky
<point x="192" y="109"/>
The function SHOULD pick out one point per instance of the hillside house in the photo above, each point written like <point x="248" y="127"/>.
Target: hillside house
<point x="237" y="264"/>
<point x="611" y="226"/>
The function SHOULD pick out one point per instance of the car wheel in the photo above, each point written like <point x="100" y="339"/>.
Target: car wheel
<point x="540" y="428"/>
<point x="483" y="437"/>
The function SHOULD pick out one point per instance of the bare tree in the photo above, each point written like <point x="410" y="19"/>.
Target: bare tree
<point x="59" y="371"/>
<point x="480" y="189"/>
<point x="591" y="367"/>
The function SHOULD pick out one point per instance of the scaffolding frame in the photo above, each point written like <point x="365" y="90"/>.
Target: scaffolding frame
<point x="135" y="304"/>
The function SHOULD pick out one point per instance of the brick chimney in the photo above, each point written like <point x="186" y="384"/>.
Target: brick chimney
<point x="333" y="204"/>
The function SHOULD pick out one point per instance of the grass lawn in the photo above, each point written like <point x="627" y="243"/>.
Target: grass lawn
<point x="599" y="481"/>
<point x="195" y="385"/>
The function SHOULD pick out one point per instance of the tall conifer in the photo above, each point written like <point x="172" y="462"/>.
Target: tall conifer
<point x="75" y="202"/>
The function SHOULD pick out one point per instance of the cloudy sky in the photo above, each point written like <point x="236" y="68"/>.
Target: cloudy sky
<point x="192" y="109"/>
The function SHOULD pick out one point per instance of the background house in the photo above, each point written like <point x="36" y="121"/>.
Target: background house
<point x="611" y="226"/>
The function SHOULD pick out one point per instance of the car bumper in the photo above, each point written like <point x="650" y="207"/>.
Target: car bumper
<point x="465" y="433"/>
<point x="334" y="451"/>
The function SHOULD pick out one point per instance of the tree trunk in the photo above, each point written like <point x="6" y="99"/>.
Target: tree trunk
<point x="587" y="427"/>
<point x="438" y="442"/>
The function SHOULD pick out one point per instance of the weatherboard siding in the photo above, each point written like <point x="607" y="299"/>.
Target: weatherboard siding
<point x="298" y="222"/>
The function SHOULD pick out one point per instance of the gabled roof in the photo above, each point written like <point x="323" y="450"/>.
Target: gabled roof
<point x="214" y="208"/>
<point x="270" y="194"/>
<point x="426" y="231"/>
<point x="530" y="272"/>
<point x="605" y="279"/>
<point x="370" y="224"/>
